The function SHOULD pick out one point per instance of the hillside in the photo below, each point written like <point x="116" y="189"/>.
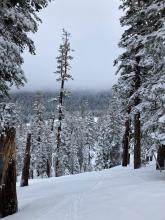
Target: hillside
<point x="115" y="194"/>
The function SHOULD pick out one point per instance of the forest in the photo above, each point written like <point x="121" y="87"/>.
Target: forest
<point x="86" y="136"/>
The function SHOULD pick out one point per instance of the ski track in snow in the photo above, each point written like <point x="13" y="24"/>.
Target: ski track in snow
<point x="76" y="202"/>
<point x="116" y="194"/>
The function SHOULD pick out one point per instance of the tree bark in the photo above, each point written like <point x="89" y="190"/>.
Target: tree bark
<point x="26" y="165"/>
<point x="137" y="139"/>
<point x="8" y="195"/>
<point x="137" y="124"/>
<point x="1" y="154"/>
<point x="48" y="167"/>
<point x="125" y="160"/>
<point x="161" y="157"/>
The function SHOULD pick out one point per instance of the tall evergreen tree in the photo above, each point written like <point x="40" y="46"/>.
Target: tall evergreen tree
<point x="142" y="72"/>
<point x="39" y="151"/>
<point x="109" y="138"/>
<point x="69" y="143"/>
<point x="17" y="19"/>
<point x="130" y="68"/>
<point x="63" y="68"/>
<point x="152" y="90"/>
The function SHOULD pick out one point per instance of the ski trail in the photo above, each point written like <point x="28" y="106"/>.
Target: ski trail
<point x="78" y="200"/>
<point x="97" y="186"/>
<point x="74" y="207"/>
<point x="94" y="196"/>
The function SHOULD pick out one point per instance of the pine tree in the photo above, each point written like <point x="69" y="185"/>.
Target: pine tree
<point x="109" y="138"/>
<point x="80" y="143"/>
<point x="116" y="129"/>
<point x="124" y="110"/>
<point x="70" y="150"/>
<point x="50" y="143"/>
<point x="39" y="152"/>
<point x="21" y="131"/>
<point x="89" y="141"/>
<point x="17" y="19"/>
<point x="130" y="68"/>
<point x="63" y="69"/>
<point x="153" y="90"/>
<point x="142" y="68"/>
<point x="103" y="145"/>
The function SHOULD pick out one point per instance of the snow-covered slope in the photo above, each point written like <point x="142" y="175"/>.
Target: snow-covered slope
<point x="115" y="194"/>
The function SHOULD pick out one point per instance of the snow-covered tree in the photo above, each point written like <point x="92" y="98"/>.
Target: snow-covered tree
<point x="89" y="137"/>
<point x="50" y="145"/>
<point x="69" y="154"/>
<point x="141" y="84"/>
<point x="39" y="151"/>
<point x="63" y="68"/>
<point x="17" y="19"/>
<point x="20" y="146"/>
<point x="130" y="68"/>
<point x="109" y="138"/>
<point x="152" y="90"/>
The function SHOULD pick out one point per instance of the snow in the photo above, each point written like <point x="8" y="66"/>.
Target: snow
<point x="116" y="194"/>
<point x="162" y="119"/>
<point x="95" y="119"/>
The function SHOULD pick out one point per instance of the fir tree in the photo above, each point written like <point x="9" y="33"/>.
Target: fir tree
<point x="17" y="19"/>
<point x="63" y="68"/>
<point x="39" y="153"/>
<point x="130" y="68"/>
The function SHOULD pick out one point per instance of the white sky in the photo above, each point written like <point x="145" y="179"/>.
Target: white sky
<point x="95" y="33"/>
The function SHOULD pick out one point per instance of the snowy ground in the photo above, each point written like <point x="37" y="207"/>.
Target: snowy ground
<point x="115" y="194"/>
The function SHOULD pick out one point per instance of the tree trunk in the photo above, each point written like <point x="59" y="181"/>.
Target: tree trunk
<point x="137" y="139"/>
<point x="161" y="157"/>
<point x="31" y="174"/>
<point x="60" y="117"/>
<point x="26" y="166"/>
<point x="1" y="170"/>
<point x="58" y="166"/>
<point x="48" y="168"/>
<point x="1" y="154"/>
<point x="8" y="195"/>
<point x="137" y="125"/>
<point x="125" y="160"/>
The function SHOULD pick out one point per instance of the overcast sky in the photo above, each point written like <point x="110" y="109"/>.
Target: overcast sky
<point x="95" y="33"/>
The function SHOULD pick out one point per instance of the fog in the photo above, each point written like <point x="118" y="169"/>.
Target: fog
<point x="95" y="32"/>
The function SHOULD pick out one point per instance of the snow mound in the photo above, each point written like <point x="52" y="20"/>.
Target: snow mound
<point x="115" y="194"/>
